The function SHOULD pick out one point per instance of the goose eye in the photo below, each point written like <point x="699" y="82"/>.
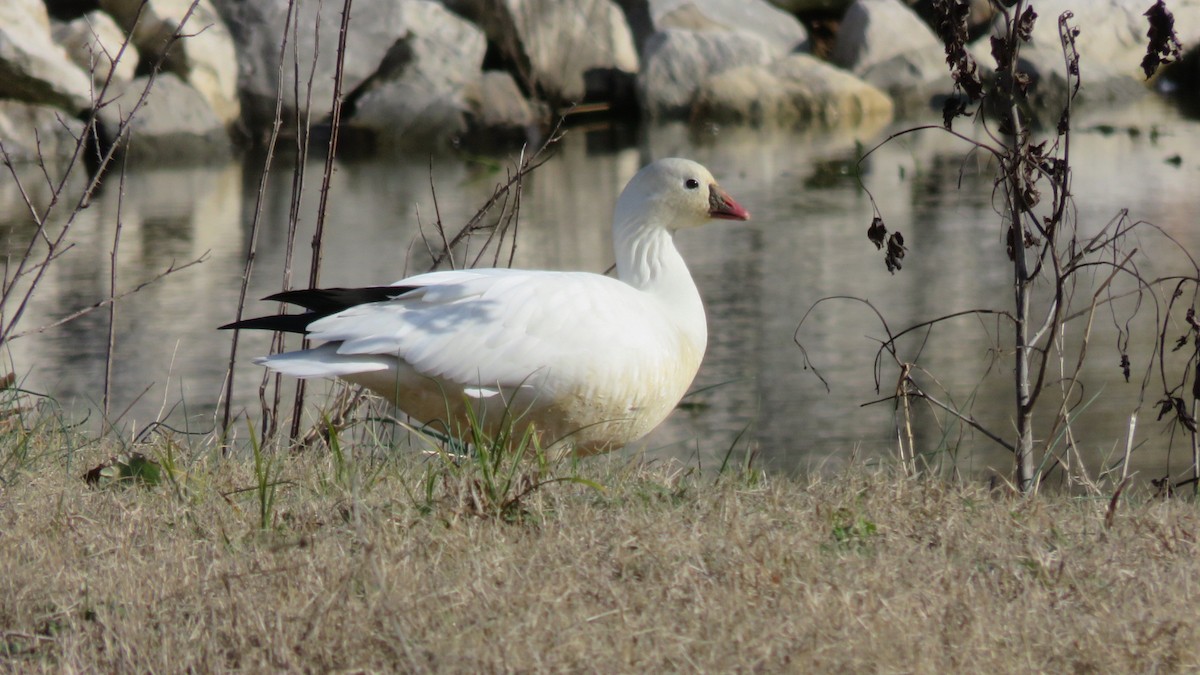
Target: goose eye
<point x="691" y="183"/>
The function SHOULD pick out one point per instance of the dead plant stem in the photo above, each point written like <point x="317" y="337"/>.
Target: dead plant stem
<point x="109" y="353"/>
<point x="256" y="228"/>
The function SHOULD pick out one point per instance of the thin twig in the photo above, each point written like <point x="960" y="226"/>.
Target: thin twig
<point x="171" y="269"/>
<point x="109" y="353"/>
<point x="256" y="223"/>
<point x="527" y="166"/>
<point x="8" y="331"/>
<point x="318" y="239"/>
<point x="975" y="424"/>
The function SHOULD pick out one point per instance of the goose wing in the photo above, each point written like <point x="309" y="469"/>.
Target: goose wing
<point x="504" y="328"/>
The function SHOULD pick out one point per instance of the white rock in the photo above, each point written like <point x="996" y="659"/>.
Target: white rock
<point x="797" y="91"/>
<point x="31" y="132"/>
<point x="678" y="61"/>
<point x="875" y="31"/>
<point x="259" y="29"/>
<point x="32" y="67"/>
<point x="205" y="58"/>
<point x="498" y="109"/>
<point x="94" y="42"/>
<point x="417" y="97"/>
<point x="174" y="126"/>
<point x="886" y="44"/>
<point x="781" y="31"/>
<point x="556" y="43"/>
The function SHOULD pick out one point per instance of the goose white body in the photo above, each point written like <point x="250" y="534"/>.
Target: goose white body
<point x="592" y="362"/>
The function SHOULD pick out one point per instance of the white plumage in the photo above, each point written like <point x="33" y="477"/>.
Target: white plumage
<point x="590" y="361"/>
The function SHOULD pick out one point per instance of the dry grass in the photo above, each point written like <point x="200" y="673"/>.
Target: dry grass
<point x="379" y="564"/>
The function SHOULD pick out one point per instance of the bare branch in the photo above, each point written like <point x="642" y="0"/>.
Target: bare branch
<point x="171" y="269"/>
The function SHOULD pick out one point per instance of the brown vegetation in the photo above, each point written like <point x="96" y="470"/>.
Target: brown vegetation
<point x="380" y="563"/>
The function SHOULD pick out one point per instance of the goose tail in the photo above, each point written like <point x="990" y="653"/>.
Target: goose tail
<point x="324" y="361"/>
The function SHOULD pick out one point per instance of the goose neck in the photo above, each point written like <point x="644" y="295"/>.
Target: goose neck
<point x="647" y="258"/>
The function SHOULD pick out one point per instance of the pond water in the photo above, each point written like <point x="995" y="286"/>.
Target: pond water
<point x="806" y="241"/>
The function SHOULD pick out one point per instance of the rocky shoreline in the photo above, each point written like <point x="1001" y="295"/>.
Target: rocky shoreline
<point x="435" y="74"/>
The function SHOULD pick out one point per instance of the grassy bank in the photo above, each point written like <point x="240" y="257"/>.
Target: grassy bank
<point x="392" y="562"/>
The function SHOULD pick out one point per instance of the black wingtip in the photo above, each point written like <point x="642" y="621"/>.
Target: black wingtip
<point x="333" y="300"/>
<point x="321" y="302"/>
<point x="286" y="323"/>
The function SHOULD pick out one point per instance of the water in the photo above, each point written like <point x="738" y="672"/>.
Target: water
<point x="806" y="241"/>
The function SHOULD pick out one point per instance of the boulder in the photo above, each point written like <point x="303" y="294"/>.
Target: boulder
<point x="32" y="133"/>
<point x="796" y="91"/>
<point x="886" y="44"/>
<point x="558" y="47"/>
<point x="94" y="43"/>
<point x="32" y="67"/>
<point x="176" y="125"/>
<point x="781" y="31"/>
<point x="205" y="58"/>
<point x="677" y="62"/>
<point x="417" y="96"/>
<point x="258" y="31"/>
<point x="498" y="111"/>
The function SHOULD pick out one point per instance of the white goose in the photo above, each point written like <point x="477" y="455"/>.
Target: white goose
<point x="591" y="362"/>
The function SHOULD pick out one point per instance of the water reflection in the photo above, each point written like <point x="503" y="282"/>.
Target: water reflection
<point x="758" y="279"/>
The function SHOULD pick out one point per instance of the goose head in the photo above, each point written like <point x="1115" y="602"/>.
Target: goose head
<point x="674" y="194"/>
